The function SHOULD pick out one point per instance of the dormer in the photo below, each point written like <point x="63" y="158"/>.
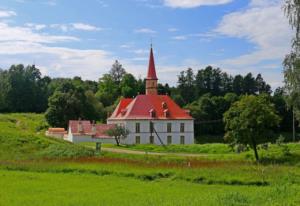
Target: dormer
<point x="152" y="113"/>
<point x="123" y="112"/>
<point x="164" y="105"/>
<point x="166" y="113"/>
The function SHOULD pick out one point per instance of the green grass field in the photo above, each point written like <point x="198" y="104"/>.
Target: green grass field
<point x="36" y="170"/>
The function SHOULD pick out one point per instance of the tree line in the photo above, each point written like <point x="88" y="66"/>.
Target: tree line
<point x="208" y="94"/>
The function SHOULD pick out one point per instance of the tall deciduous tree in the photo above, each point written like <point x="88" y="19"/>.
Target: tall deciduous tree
<point x="117" y="72"/>
<point x="250" y="121"/>
<point x="292" y="61"/>
<point x="186" y="85"/>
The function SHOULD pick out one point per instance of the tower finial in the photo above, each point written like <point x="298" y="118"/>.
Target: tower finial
<point x="151" y="42"/>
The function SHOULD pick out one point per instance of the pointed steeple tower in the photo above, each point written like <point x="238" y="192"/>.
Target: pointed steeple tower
<point x="151" y="80"/>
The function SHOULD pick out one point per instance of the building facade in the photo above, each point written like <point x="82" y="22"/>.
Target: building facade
<point x="86" y="131"/>
<point x="153" y="118"/>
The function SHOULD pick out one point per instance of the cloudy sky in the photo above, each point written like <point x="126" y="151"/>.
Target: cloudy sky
<point x="67" y="38"/>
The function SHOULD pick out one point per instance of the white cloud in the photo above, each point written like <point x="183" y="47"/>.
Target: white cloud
<point x="194" y="3"/>
<point x="26" y="46"/>
<point x="4" y="14"/>
<point x="50" y="3"/>
<point x="260" y="3"/>
<point x="36" y="26"/>
<point x="9" y="33"/>
<point x="75" y="26"/>
<point x="181" y="38"/>
<point x="264" y="25"/>
<point x="102" y="3"/>
<point x="126" y="46"/>
<point x="85" y="27"/>
<point x="145" y="30"/>
<point x="172" y="29"/>
<point x="140" y="51"/>
<point x="62" y="27"/>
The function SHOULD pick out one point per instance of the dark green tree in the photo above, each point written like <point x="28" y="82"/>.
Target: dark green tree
<point x="249" y="84"/>
<point x="71" y="102"/>
<point x="250" y="121"/>
<point x="262" y="86"/>
<point x="186" y="88"/>
<point x="128" y="86"/>
<point x="108" y="90"/>
<point x="237" y="85"/>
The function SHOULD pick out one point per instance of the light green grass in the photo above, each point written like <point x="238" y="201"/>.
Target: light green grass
<point x="31" y="188"/>
<point x="216" y="148"/>
<point x="36" y="170"/>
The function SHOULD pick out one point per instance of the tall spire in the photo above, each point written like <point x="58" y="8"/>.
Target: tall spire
<point x="151" y="79"/>
<point x="151" y="68"/>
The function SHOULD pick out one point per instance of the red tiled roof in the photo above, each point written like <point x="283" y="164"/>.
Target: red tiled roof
<point x="121" y="106"/>
<point x="151" y="68"/>
<point x="162" y="107"/>
<point x="87" y="128"/>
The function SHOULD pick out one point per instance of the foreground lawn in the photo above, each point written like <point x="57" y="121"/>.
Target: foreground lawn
<point x="33" y="188"/>
<point x="37" y="170"/>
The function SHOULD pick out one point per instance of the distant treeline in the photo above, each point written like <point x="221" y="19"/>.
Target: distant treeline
<point x="208" y="93"/>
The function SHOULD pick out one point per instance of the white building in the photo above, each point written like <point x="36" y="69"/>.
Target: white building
<point x="85" y="131"/>
<point x="153" y="118"/>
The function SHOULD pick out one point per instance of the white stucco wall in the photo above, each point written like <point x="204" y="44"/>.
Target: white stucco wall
<point x="161" y="128"/>
<point x="82" y="138"/>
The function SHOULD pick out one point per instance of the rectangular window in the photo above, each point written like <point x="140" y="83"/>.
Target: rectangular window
<point x="137" y="140"/>
<point x="169" y="139"/>
<point x="151" y="140"/>
<point x="181" y="139"/>
<point x="169" y="127"/>
<point x="137" y="127"/>
<point x="151" y="126"/>
<point x="181" y="127"/>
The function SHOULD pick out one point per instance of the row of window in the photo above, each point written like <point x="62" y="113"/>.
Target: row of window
<point x="151" y="127"/>
<point x="151" y="140"/>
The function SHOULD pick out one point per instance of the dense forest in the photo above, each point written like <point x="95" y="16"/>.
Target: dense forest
<point x="208" y="93"/>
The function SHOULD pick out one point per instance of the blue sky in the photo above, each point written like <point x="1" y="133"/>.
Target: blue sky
<point x="65" y="38"/>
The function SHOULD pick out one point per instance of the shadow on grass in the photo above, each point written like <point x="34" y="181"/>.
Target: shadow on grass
<point x="287" y="159"/>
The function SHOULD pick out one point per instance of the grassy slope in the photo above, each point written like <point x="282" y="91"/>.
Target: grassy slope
<point x="135" y="180"/>
<point x="22" y="137"/>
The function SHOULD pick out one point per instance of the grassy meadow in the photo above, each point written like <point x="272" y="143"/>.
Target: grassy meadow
<point x="36" y="170"/>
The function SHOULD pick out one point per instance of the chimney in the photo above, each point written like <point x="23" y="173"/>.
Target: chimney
<point x="80" y="126"/>
<point x="94" y="127"/>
